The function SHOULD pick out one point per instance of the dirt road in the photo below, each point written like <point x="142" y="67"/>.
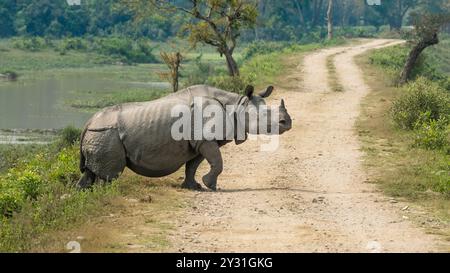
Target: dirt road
<point x="311" y="194"/>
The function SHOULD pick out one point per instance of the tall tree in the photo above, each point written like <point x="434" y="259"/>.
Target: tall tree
<point x="330" y="19"/>
<point x="7" y="17"/>
<point x="394" y="11"/>
<point x="214" y="22"/>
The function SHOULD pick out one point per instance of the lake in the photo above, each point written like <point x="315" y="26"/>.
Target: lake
<point x="45" y="103"/>
<point x="42" y="104"/>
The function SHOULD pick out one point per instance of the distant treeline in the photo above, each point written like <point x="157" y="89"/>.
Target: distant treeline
<point x="277" y="20"/>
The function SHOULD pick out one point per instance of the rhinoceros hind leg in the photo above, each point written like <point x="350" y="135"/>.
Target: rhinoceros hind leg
<point x="210" y="150"/>
<point x="87" y="180"/>
<point x="191" y="169"/>
<point x="104" y="154"/>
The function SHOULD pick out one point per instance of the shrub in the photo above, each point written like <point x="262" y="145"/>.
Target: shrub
<point x="29" y="44"/>
<point x="73" y="44"/>
<point x="125" y="49"/>
<point x="70" y="135"/>
<point x="65" y="169"/>
<point x="200" y="73"/>
<point x="232" y="84"/>
<point x="432" y="134"/>
<point x="356" y="32"/>
<point x="32" y="178"/>
<point x="422" y="96"/>
<point x="30" y="183"/>
<point x="10" y="200"/>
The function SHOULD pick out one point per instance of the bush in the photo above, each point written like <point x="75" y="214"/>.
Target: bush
<point x="73" y="44"/>
<point x="432" y="134"/>
<point x="31" y="184"/>
<point x="125" y="49"/>
<point x="70" y="135"/>
<point x="404" y="33"/>
<point x="10" y="200"/>
<point x="29" y="44"/>
<point x="356" y="32"/>
<point x="422" y="96"/>
<point x="232" y="84"/>
<point x="31" y="179"/>
<point x="65" y="169"/>
<point x="200" y="73"/>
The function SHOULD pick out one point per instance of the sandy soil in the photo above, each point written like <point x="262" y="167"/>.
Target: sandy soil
<point x="311" y="194"/>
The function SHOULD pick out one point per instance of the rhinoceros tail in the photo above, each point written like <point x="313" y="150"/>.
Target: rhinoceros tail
<point x="82" y="158"/>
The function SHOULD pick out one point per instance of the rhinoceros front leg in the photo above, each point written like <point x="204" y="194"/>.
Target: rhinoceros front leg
<point x="191" y="169"/>
<point x="210" y="150"/>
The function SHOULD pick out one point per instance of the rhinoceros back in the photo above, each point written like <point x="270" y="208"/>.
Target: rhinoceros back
<point x="145" y="131"/>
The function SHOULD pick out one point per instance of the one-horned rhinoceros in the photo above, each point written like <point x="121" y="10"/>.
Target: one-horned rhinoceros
<point x="142" y="136"/>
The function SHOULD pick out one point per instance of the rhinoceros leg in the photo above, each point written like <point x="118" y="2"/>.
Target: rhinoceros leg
<point x="191" y="169"/>
<point x="210" y="150"/>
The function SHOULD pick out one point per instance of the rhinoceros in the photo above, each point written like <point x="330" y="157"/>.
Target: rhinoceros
<point x="140" y="136"/>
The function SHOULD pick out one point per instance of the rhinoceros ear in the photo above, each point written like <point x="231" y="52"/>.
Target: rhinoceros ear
<point x="267" y="92"/>
<point x="249" y="91"/>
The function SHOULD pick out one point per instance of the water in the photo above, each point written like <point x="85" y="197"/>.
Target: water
<point x="18" y="137"/>
<point x="42" y="104"/>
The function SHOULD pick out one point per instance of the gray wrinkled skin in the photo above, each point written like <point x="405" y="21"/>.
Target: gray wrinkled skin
<point x="138" y="136"/>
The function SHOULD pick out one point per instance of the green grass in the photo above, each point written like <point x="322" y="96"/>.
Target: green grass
<point x="333" y="78"/>
<point x="40" y="208"/>
<point x="11" y="154"/>
<point x="432" y="64"/>
<point x="439" y="54"/>
<point x="37" y="196"/>
<point x="401" y="169"/>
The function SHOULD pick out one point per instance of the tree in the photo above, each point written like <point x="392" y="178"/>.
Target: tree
<point x="173" y="62"/>
<point x="330" y="19"/>
<point x="214" y="22"/>
<point x="38" y="15"/>
<point x="394" y="11"/>
<point x="7" y="16"/>
<point x="427" y="28"/>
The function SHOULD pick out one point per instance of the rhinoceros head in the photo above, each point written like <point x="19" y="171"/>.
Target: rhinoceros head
<point x="261" y="119"/>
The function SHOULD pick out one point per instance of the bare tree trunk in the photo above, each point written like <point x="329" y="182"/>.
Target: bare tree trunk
<point x="233" y="68"/>
<point x="344" y="13"/>
<point x="330" y="19"/>
<point x="173" y="62"/>
<point x="300" y="12"/>
<point x="316" y="13"/>
<point x="414" y="56"/>
<point x="176" y="72"/>
<point x="396" y="19"/>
